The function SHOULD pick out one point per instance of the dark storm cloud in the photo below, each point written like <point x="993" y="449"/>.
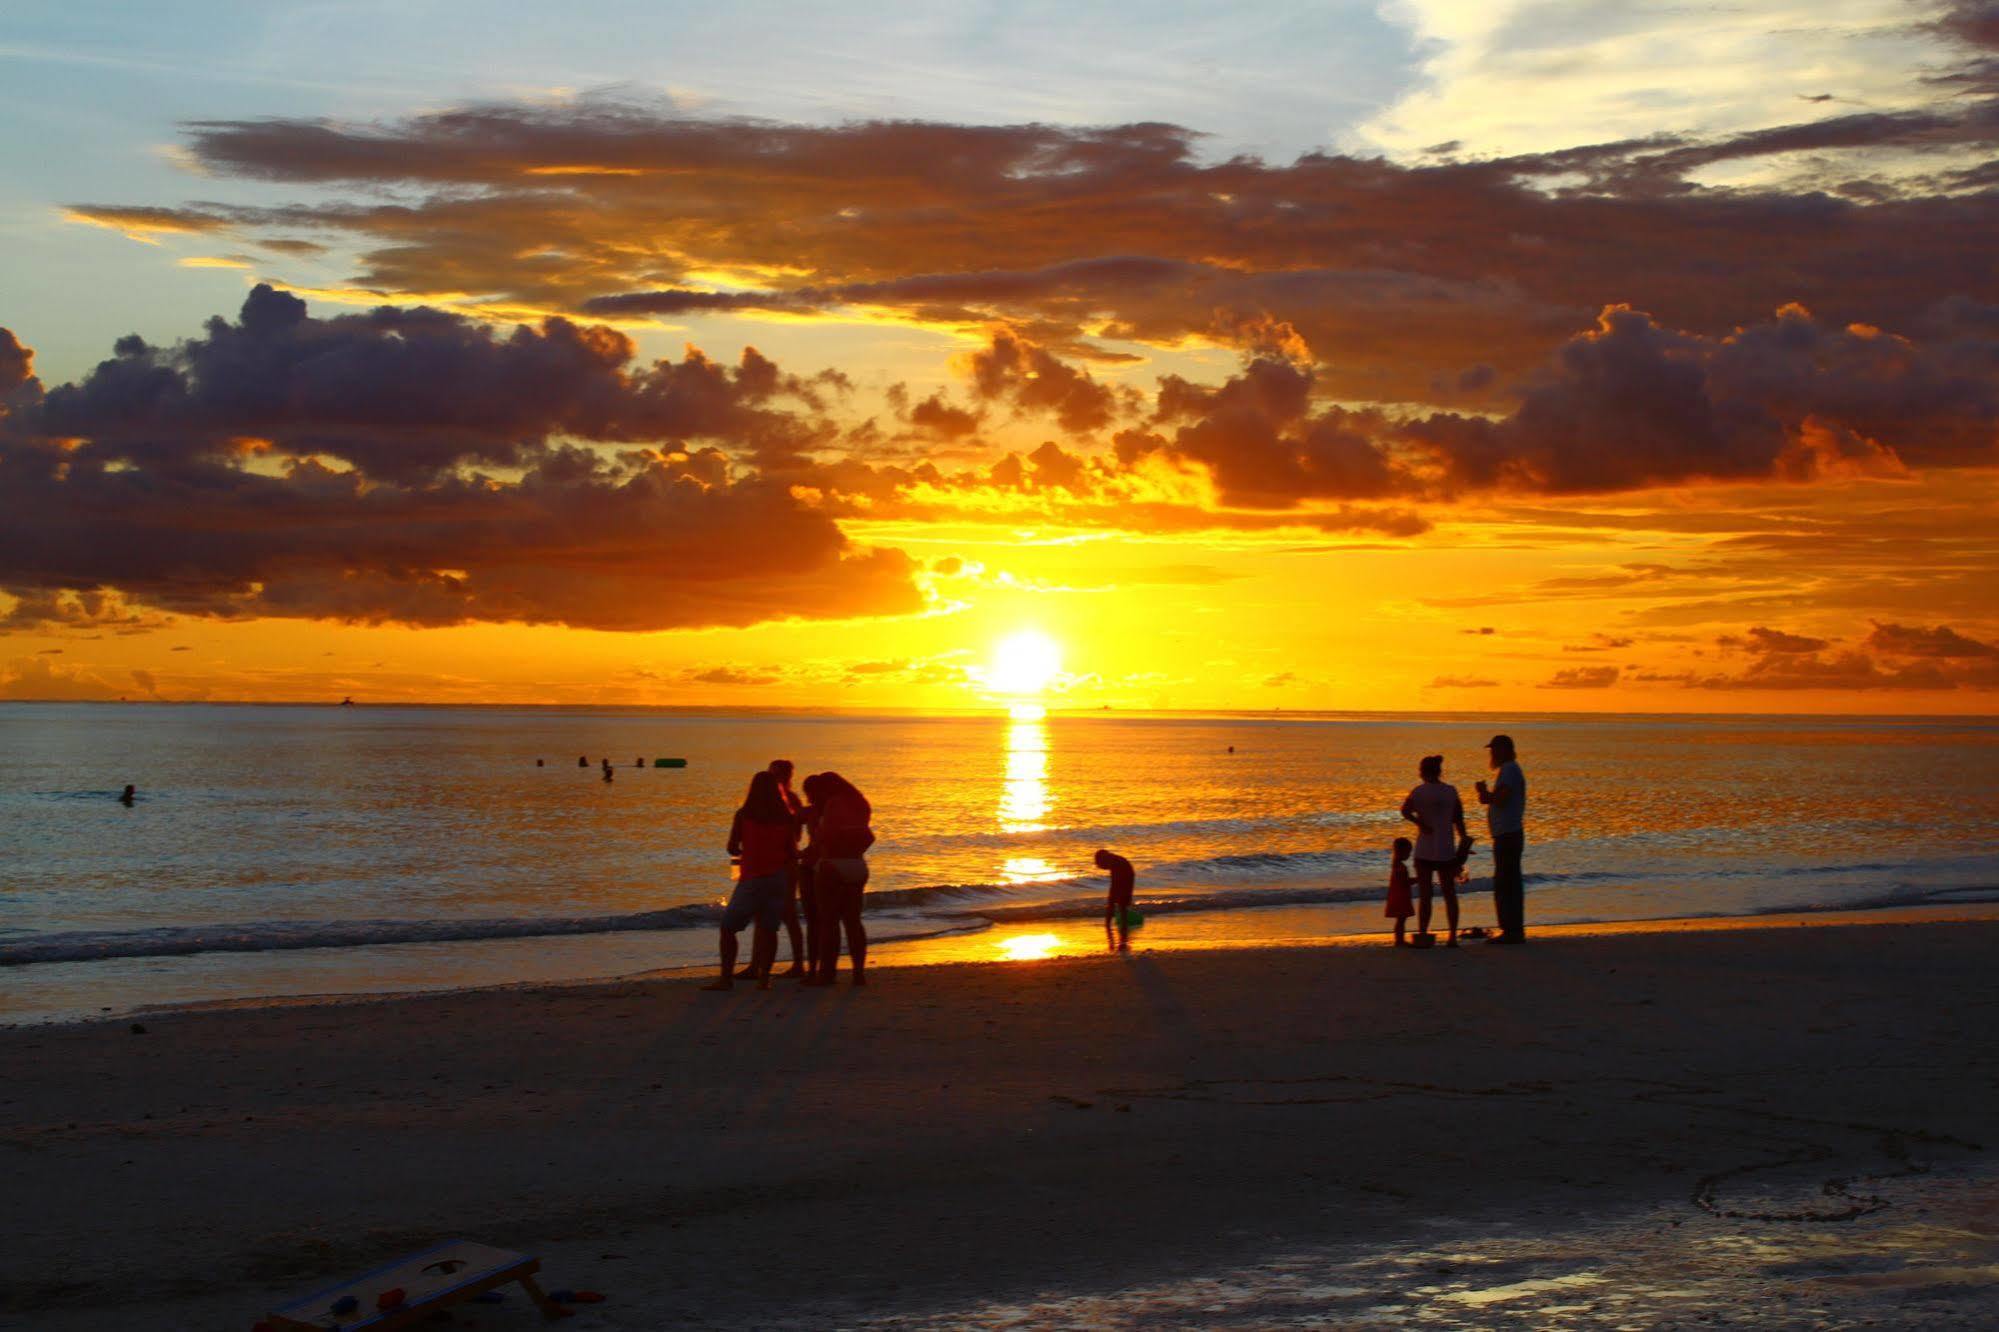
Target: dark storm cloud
<point x="17" y="363"/>
<point x="1940" y="641"/>
<point x="1012" y="368"/>
<point x="1583" y="677"/>
<point x="196" y="480"/>
<point x="1633" y="404"/>
<point x="402" y="392"/>
<point x="941" y="420"/>
<point x="1773" y="642"/>
<point x="1258" y="438"/>
<point x="1627" y="405"/>
<point x="1891" y="657"/>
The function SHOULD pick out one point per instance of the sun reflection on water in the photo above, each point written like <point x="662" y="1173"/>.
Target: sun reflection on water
<point x="1024" y="801"/>
<point x="1028" y="947"/>
<point x="1030" y="869"/>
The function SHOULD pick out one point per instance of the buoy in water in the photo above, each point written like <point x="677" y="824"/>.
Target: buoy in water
<point x="669" y="763"/>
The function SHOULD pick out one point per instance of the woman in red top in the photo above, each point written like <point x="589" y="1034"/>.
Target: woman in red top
<point x="842" y="836"/>
<point x="796" y="894"/>
<point x="763" y="840"/>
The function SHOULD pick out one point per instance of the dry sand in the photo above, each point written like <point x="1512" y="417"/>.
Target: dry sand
<point x="957" y="1138"/>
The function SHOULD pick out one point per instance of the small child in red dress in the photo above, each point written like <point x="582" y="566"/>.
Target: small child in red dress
<point x="1399" y="905"/>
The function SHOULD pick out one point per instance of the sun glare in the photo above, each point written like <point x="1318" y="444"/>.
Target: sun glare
<point x="1029" y="947"/>
<point x="1024" y="663"/>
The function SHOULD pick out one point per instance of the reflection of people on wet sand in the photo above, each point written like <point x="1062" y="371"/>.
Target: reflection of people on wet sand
<point x="1399" y="907"/>
<point x="761" y="839"/>
<point x="1117" y="906"/>
<point x="843" y="838"/>
<point x="1505" y="812"/>
<point x="1439" y="816"/>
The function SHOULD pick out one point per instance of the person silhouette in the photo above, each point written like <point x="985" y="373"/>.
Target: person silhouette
<point x="1117" y="904"/>
<point x="128" y="795"/>
<point x="1505" y="814"/>
<point x="1434" y="807"/>
<point x="842" y="839"/>
<point x="801" y="950"/>
<point x="761" y="839"/>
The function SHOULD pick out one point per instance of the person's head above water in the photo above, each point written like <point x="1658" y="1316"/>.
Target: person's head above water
<point x="1502" y="749"/>
<point x="1432" y="767"/>
<point x="1403" y="846"/>
<point x="765" y="802"/>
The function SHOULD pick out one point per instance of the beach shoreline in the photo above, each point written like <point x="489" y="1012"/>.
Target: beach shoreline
<point x="956" y="1137"/>
<point x="1247" y="927"/>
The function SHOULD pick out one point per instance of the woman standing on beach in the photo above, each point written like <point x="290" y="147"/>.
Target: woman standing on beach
<point x="842" y="838"/>
<point x="763" y="839"/>
<point x="800" y="952"/>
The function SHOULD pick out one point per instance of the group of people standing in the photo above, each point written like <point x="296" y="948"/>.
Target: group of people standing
<point x="802" y="867"/>
<point x="780" y="882"/>
<point x="1443" y="845"/>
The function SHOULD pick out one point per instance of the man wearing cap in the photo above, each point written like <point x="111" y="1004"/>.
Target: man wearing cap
<point x="1505" y="815"/>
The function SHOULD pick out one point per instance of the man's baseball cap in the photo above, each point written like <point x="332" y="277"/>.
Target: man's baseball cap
<point x="1500" y="742"/>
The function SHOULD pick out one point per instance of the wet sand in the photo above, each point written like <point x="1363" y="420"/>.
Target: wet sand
<point x="1073" y="1142"/>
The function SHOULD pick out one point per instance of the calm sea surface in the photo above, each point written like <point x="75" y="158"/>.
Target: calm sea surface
<point x="300" y="850"/>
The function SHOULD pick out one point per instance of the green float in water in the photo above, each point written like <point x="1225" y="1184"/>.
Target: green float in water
<point x="669" y="763"/>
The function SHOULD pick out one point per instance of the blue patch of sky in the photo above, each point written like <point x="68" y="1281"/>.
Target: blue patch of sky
<point x="92" y="94"/>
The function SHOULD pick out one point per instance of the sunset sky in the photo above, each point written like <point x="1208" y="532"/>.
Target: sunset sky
<point x="1420" y="355"/>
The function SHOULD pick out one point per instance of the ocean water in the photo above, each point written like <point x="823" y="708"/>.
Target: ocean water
<point x="306" y="850"/>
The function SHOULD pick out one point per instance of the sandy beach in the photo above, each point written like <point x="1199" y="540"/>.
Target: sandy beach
<point x="1065" y="1142"/>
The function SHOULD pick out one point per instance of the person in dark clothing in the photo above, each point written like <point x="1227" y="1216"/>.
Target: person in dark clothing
<point x="843" y="836"/>
<point x="1505" y="804"/>
<point x="1117" y="906"/>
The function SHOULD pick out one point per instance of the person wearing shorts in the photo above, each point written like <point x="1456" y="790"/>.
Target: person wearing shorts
<point x="1433" y="806"/>
<point x="763" y="840"/>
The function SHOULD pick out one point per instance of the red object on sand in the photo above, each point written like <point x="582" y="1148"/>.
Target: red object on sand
<point x="389" y="1299"/>
<point x="585" y="1297"/>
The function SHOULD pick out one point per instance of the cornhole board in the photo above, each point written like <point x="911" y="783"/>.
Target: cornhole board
<point x="432" y="1280"/>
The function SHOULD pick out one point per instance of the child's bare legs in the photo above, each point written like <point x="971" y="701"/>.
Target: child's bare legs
<point x="857" y="933"/>
<point x="808" y="907"/>
<point x="1117" y="930"/>
<point x="1401" y="924"/>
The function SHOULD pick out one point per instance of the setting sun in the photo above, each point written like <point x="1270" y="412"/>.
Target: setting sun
<point x="1024" y="663"/>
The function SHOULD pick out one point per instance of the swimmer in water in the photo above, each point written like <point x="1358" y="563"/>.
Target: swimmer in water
<point x="607" y="770"/>
<point x="130" y="794"/>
